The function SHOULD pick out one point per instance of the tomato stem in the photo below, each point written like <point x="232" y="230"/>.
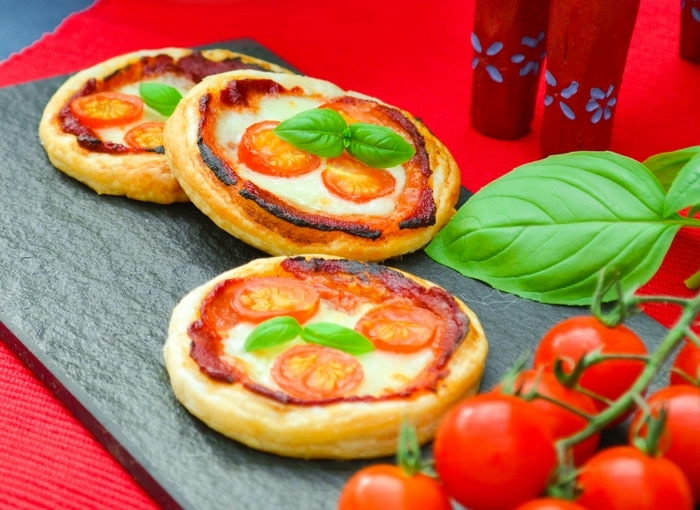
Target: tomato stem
<point x="654" y="362"/>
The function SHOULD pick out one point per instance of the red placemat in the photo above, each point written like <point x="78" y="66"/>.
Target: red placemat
<point x="413" y="54"/>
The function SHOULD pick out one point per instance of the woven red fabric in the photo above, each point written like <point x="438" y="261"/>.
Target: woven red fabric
<point x="414" y="54"/>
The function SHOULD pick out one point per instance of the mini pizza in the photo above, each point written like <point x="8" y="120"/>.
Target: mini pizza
<point x="223" y="149"/>
<point x="321" y="357"/>
<point x="97" y="129"/>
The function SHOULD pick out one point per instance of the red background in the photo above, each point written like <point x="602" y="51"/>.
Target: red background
<point x="414" y="54"/>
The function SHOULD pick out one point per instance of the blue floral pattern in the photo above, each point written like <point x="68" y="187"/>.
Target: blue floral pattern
<point x="694" y="9"/>
<point x="484" y="57"/>
<point x="530" y="56"/>
<point x="601" y="103"/>
<point x="560" y="96"/>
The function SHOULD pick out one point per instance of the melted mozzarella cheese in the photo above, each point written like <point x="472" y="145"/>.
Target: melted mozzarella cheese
<point x="385" y="372"/>
<point x="306" y="192"/>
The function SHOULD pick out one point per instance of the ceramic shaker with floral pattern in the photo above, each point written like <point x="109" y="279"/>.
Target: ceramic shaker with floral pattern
<point x="690" y="30"/>
<point x="509" y="44"/>
<point x="587" y="48"/>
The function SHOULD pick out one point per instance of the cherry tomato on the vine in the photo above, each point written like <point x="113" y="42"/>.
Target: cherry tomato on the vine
<point x="680" y="442"/>
<point x="571" y="338"/>
<point x="686" y="365"/>
<point x="387" y="487"/>
<point x="494" y="452"/>
<point x="550" y="504"/>
<point x="623" y="477"/>
<point x="563" y="422"/>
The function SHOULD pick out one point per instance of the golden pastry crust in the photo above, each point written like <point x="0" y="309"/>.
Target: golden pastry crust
<point x="343" y="429"/>
<point x="202" y="152"/>
<point x="140" y="175"/>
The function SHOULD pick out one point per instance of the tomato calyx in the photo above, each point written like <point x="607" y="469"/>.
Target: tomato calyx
<point x="408" y="453"/>
<point x="654" y="425"/>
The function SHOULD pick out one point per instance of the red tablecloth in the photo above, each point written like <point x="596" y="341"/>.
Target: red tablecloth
<point x="415" y="54"/>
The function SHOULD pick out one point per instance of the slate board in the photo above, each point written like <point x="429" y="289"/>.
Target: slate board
<point x="88" y="285"/>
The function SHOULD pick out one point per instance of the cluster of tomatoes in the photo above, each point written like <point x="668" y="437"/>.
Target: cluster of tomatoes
<point x="502" y="449"/>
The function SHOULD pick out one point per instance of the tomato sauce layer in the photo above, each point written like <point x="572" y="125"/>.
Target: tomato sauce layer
<point x="345" y="286"/>
<point x="193" y="67"/>
<point x="415" y="207"/>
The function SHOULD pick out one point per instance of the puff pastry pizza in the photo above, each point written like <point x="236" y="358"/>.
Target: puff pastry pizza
<point x="96" y="128"/>
<point x="321" y="357"/>
<point x="222" y="147"/>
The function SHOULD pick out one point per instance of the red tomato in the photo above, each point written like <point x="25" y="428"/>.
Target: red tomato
<point x="148" y="135"/>
<point x="563" y="422"/>
<point x="686" y="366"/>
<point x="266" y="153"/>
<point x="353" y="180"/>
<point x="494" y="452"/>
<point x="570" y="339"/>
<point x="682" y="441"/>
<point x="623" y="477"/>
<point x="398" y="327"/>
<point x="386" y="487"/>
<point x="259" y="299"/>
<point x="312" y="372"/>
<point x="107" y="109"/>
<point x="550" y="504"/>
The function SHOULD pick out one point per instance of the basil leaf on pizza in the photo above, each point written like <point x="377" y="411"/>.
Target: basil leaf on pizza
<point x="337" y="337"/>
<point x="318" y="131"/>
<point x="272" y="332"/>
<point x="162" y="98"/>
<point x="325" y="133"/>
<point x="377" y="146"/>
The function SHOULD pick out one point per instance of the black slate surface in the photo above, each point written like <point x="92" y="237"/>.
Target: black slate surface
<point x="88" y="284"/>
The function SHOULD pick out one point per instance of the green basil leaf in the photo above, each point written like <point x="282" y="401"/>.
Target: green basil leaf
<point x="378" y="146"/>
<point x="665" y="166"/>
<point x="162" y="98"/>
<point x="547" y="229"/>
<point x="685" y="190"/>
<point x="336" y="336"/>
<point x="272" y="332"/>
<point x="318" y="131"/>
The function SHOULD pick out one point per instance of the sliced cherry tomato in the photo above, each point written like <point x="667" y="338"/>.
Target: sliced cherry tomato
<point x="107" y="109"/>
<point x="563" y="422"/>
<point x="550" y="504"/>
<point x="623" y="477"/>
<point x="266" y="153"/>
<point x="570" y="339"/>
<point x="398" y="327"/>
<point x="686" y="366"/>
<point x="216" y="310"/>
<point x="494" y="451"/>
<point x="681" y="441"/>
<point x="148" y="135"/>
<point x="353" y="180"/>
<point x="259" y="299"/>
<point x="386" y="487"/>
<point x="311" y="372"/>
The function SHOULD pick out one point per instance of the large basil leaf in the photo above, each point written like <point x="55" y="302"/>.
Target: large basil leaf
<point x="546" y="230"/>
<point x="666" y="165"/>
<point x="685" y="189"/>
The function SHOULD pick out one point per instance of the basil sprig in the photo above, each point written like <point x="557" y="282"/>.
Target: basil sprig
<point x="162" y="98"/>
<point x="279" y="330"/>
<point x="325" y="133"/>
<point x="546" y="230"/>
